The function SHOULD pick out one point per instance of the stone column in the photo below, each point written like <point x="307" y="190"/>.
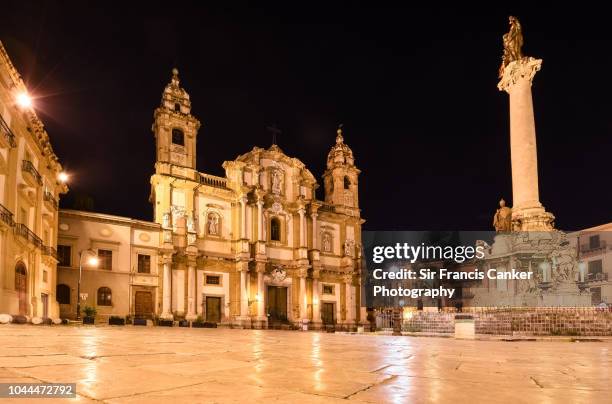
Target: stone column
<point x="303" y="296"/>
<point x="191" y="290"/>
<point x="302" y="214"/>
<point x="261" y="309"/>
<point x="350" y="309"/>
<point x="260" y="221"/>
<point x="167" y="289"/>
<point x="244" y="298"/>
<point x="243" y="222"/>
<point x="314" y="230"/>
<point x="516" y="81"/>
<point x="316" y="302"/>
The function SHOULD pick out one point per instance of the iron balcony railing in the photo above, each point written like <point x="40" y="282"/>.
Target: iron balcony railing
<point x="25" y="232"/>
<point x="50" y="251"/>
<point x="48" y="196"/>
<point x="28" y="167"/>
<point x="598" y="277"/>
<point x="7" y="132"/>
<point x="213" y="181"/>
<point x="6" y="216"/>
<point x="325" y="207"/>
<point x="586" y="248"/>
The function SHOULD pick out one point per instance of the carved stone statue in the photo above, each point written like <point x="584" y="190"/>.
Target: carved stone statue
<point x="502" y="221"/>
<point x="326" y="242"/>
<point x="190" y="224"/>
<point x="348" y="248"/>
<point x="277" y="182"/>
<point x="213" y="224"/>
<point x="166" y="220"/>
<point x="513" y="43"/>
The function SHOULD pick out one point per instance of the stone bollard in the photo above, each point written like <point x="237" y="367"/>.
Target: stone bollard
<point x="465" y="326"/>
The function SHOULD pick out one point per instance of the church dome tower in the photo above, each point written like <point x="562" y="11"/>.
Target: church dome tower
<point x="174" y="127"/>
<point x="340" y="178"/>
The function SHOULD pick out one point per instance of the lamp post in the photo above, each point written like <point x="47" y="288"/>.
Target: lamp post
<point x="93" y="261"/>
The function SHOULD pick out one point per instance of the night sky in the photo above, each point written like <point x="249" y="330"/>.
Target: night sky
<point x="416" y="90"/>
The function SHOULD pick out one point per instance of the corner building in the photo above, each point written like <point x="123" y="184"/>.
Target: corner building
<point x="254" y="248"/>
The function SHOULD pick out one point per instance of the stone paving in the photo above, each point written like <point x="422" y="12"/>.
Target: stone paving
<point x="159" y="365"/>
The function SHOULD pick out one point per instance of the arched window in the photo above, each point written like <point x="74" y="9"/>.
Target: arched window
<point x="62" y="294"/>
<point x="275" y="229"/>
<point x="347" y="183"/>
<point x="178" y="137"/>
<point x="104" y="296"/>
<point x="177" y="107"/>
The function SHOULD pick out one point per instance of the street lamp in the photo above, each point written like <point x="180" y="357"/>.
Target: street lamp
<point x="24" y="100"/>
<point x="92" y="261"/>
<point x="62" y="177"/>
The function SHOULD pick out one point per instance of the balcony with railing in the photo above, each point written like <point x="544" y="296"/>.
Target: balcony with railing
<point x="213" y="181"/>
<point x="50" y="251"/>
<point x="6" y="216"/>
<point x="597" y="277"/>
<point x="24" y="231"/>
<point x="32" y="174"/>
<point x="326" y="207"/>
<point x="590" y="248"/>
<point x="7" y="137"/>
<point x="48" y="197"/>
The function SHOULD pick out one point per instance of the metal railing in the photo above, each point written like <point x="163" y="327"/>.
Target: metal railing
<point x="28" y="167"/>
<point x="48" y="197"/>
<point x="598" y="277"/>
<point x="25" y="232"/>
<point x="6" y="216"/>
<point x="7" y="132"/>
<point x="50" y="251"/>
<point x="213" y="181"/>
<point x="326" y="207"/>
<point x="586" y="248"/>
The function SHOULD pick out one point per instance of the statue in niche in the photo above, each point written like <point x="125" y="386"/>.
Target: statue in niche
<point x="277" y="181"/>
<point x="327" y="242"/>
<point x="166" y="220"/>
<point x="213" y="224"/>
<point x="502" y="221"/>
<point x="190" y="224"/>
<point x="513" y="44"/>
<point x="348" y="248"/>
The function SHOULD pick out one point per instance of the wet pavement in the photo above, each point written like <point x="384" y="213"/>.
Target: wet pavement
<point x="160" y="365"/>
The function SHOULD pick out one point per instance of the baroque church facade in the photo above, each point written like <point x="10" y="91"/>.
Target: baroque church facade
<point x="254" y="248"/>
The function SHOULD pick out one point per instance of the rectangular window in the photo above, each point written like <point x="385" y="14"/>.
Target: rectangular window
<point x="178" y="137"/>
<point x="105" y="259"/>
<point x="144" y="264"/>
<point x="213" y="280"/>
<point x="45" y="276"/>
<point x="328" y="289"/>
<point x="64" y="253"/>
<point x="595" y="268"/>
<point x="593" y="242"/>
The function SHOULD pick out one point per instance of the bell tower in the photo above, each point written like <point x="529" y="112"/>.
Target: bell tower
<point x="341" y="177"/>
<point x="174" y="127"/>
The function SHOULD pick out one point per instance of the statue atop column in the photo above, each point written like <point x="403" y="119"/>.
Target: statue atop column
<point x="502" y="221"/>
<point x="513" y="44"/>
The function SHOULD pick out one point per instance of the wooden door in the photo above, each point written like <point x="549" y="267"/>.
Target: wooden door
<point x="143" y="304"/>
<point x="277" y="303"/>
<point x="213" y="309"/>
<point x="328" y="313"/>
<point x="21" y="288"/>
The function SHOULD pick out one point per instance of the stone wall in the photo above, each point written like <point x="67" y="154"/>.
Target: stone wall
<point x="583" y="321"/>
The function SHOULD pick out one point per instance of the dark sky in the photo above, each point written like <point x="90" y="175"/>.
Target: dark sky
<point x="415" y="89"/>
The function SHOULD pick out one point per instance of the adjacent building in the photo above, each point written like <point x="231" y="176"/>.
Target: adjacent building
<point x="594" y="246"/>
<point x="254" y="248"/>
<point x="29" y="196"/>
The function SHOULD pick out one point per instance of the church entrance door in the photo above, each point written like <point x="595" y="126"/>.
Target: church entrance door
<point x="327" y="314"/>
<point x="21" y="288"/>
<point x="213" y="309"/>
<point x="143" y="304"/>
<point x="277" y="304"/>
